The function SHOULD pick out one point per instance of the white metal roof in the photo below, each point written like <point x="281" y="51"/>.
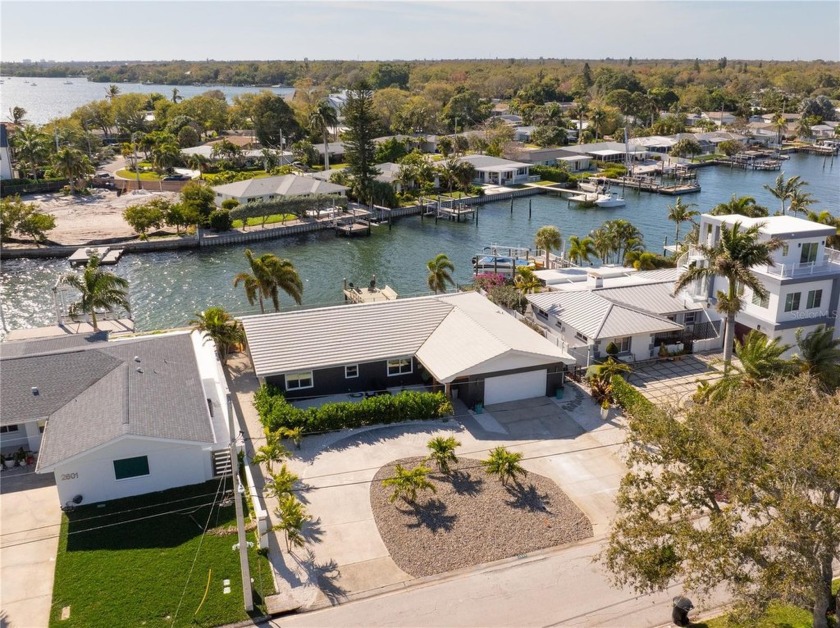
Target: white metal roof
<point x="449" y="334"/>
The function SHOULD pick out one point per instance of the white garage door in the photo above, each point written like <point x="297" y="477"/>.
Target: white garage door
<point x="513" y="387"/>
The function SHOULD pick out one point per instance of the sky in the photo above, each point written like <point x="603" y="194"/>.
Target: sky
<point x="407" y="29"/>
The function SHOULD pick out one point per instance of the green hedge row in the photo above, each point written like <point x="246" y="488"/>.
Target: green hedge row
<point x="628" y="397"/>
<point x="276" y="412"/>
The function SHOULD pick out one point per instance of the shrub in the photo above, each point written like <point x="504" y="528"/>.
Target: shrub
<point x="275" y="412"/>
<point x="628" y="397"/>
<point x="220" y="220"/>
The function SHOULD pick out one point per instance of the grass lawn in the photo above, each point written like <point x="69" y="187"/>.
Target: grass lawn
<point x="144" y="176"/>
<point x="127" y="564"/>
<point x="271" y="220"/>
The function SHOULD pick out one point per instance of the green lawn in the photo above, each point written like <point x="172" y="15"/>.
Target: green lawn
<point x="127" y="564"/>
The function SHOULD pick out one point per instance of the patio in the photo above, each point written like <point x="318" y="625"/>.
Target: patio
<point x="673" y="381"/>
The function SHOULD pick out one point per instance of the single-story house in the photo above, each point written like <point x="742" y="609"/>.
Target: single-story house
<point x="497" y="171"/>
<point x="113" y="419"/>
<point x="268" y="188"/>
<point x="463" y="342"/>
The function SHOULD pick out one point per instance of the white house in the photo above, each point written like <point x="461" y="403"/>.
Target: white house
<point x="116" y="419"/>
<point x="803" y="283"/>
<point x="268" y="188"/>
<point x="497" y="171"/>
<point x="5" y="155"/>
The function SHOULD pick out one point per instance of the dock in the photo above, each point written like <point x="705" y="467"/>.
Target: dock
<point x="105" y="254"/>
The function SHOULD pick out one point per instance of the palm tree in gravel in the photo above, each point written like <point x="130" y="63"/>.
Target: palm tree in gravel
<point x="443" y="452"/>
<point x="504" y="464"/>
<point x="407" y="482"/>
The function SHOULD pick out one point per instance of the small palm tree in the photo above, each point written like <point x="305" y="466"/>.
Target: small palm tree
<point x="440" y="273"/>
<point x="443" y="452"/>
<point x="504" y="464"/>
<point x="819" y="355"/>
<point x="680" y="213"/>
<point x="548" y="238"/>
<point x="100" y="290"/>
<point x="293" y="517"/>
<point x="273" y="451"/>
<point x="281" y="483"/>
<point x="407" y="482"/>
<point x="220" y="327"/>
<point x="580" y="249"/>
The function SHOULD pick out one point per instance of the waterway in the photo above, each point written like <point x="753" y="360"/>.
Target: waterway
<point x="167" y="289"/>
<point x="48" y="98"/>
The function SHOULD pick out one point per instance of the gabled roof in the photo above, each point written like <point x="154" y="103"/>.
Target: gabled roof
<point x="286" y="185"/>
<point x="449" y="334"/>
<point x="597" y="317"/>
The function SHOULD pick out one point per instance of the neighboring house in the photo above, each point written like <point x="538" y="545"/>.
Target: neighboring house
<point x="268" y="188"/>
<point x="497" y="171"/>
<point x="636" y="310"/>
<point x="804" y="282"/>
<point x="5" y="155"/>
<point x="463" y="342"/>
<point x="115" y="419"/>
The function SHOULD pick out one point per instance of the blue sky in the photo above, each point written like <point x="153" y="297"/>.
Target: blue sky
<point x="197" y="30"/>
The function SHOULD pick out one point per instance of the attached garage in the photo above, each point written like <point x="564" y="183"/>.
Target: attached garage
<point x="513" y="387"/>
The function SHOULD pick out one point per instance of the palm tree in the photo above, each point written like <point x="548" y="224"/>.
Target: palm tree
<point x="72" y="164"/>
<point x="443" y="452"/>
<point x="741" y="205"/>
<point x="504" y="464"/>
<point x="819" y="356"/>
<point x="732" y="259"/>
<point x="680" y="213"/>
<point x="220" y="327"/>
<point x="526" y="281"/>
<point x="548" y="238"/>
<point x="580" y="249"/>
<point x="100" y="290"/>
<point x="273" y="451"/>
<point x="783" y="190"/>
<point x="321" y="120"/>
<point x="269" y="274"/>
<point x="440" y="269"/>
<point x="293" y="517"/>
<point x="407" y="482"/>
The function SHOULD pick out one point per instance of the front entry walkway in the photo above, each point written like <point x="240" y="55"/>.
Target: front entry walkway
<point x="673" y="381"/>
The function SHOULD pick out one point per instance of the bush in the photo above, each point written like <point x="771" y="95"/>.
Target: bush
<point x="220" y="220"/>
<point x="275" y="412"/>
<point x="628" y="397"/>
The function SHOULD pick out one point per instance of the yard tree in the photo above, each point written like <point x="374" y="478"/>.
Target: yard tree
<point x="360" y="119"/>
<point x="746" y="496"/>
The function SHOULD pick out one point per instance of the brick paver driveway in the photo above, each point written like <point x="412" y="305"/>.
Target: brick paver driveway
<point x="673" y="382"/>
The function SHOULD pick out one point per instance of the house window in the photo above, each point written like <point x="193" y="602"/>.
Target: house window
<point x="299" y="381"/>
<point x="623" y="344"/>
<point x="814" y="298"/>
<point x="399" y="366"/>
<point x="5" y="429"/>
<point x="809" y="253"/>
<point x="131" y="467"/>
<point x="761" y="301"/>
<point x="792" y="301"/>
<point x="351" y="371"/>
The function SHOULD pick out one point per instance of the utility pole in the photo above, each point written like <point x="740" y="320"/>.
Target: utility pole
<point x="245" y="570"/>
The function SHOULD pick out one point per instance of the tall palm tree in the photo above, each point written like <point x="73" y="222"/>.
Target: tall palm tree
<point x="269" y="274"/>
<point x="819" y="355"/>
<point x="504" y="464"/>
<point x="741" y="205"/>
<point x="784" y="189"/>
<point x="440" y="273"/>
<point x="548" y="238"/>
<point x="73" y="164"/>
<point x="732" y="259"/>
<point x="580" y="249"/>
<point x="100" y="290"/>
<point x="321" y="120"/>
<point x="680" y="213"/>
<point x="220" y="327"/>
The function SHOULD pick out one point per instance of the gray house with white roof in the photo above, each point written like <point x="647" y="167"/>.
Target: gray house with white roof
<point x="115" y="419"/>
<point x="465" y="343"/>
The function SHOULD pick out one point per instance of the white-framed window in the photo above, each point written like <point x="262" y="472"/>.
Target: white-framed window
<point x="399" y="366"/>
<point x="351" y="371"/>
<point x="299" y="381"/>
<point x="792" y="301"/>
<point x="131" y="467"/>
<point x="814" y="299"/>
<point x="761" y="302"/>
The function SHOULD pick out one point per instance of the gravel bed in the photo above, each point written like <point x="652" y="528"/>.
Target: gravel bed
<point x="472" y="518"/>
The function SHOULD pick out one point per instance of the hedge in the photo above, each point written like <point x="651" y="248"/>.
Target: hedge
<point x="628" y="397"/>
<point x="275" y="412"/>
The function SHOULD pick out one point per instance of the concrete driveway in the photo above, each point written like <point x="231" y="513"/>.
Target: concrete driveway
<point x="30" y="518"/>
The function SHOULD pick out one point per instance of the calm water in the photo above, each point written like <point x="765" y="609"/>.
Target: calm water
<point x="51" y="98"/>
<point x="168" y="288"/>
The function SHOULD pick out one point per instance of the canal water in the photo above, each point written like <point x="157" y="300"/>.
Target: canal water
<point x="167" y="289"/>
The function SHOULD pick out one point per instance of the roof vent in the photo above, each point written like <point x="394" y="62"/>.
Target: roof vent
<point x="35" y="391"/>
